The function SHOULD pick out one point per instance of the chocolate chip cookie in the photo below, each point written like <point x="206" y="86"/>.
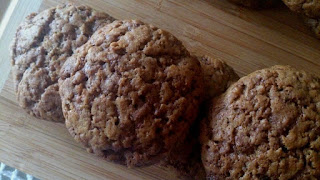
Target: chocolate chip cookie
<point x="42" y="44"/>
<point x="131" y="93"/>
<point x="266" y="126"/>
<point x="257" y="4"/>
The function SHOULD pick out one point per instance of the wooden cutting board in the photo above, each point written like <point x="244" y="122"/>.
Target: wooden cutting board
<point x="247" y="40"/>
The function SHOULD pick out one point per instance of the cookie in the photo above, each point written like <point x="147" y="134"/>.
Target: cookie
<point x="266" y="126"/>
<point x="310" y="8"/>
<point x="186" y="159"/>
<point x="257" y="4"/>
<point x="218" y="76"/>
<point x="131" y="93"/>
<point x="42" y="44"/>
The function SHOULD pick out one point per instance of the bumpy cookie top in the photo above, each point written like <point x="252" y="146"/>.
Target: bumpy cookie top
<point x="131" y="92"/>
<point x="256" y="3"/>
<point x="41" y="45"/>
<point x="218" y="76"/>
<point x="266" y="126"/>
<point x="310" y="8"/>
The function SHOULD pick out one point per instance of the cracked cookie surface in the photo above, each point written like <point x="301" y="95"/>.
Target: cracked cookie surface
<point x="42" y="44"/>
<point x="266" y="126"/>
<point x="131" y="93"/>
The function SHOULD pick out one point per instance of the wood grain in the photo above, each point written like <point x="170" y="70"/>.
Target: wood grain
<point x="247" y="40"/>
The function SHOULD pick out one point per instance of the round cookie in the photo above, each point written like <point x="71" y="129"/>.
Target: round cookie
<point x="266" y="126"/>
<point x="42" y="44"/>
<point x="131" y="93"/>
<point x="310" y="8"/>
<point x="186" y="159"/>
<point x="257" y="4"/>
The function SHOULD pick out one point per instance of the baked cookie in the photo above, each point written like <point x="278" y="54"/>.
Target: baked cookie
<point x="186" y="159"/>
<point x="131" y="93"/>
<point x="218" y="76"/>
<point x="266" y="126"/>
<point x="310" y="8"/>
<point x="42" y="44"/>
<point x="257" y="4"/>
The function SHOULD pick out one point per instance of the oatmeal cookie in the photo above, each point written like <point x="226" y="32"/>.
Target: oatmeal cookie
<point x="42" y="44"/>
<point x="266" y="126"/>
<point x="131" y="93"/>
